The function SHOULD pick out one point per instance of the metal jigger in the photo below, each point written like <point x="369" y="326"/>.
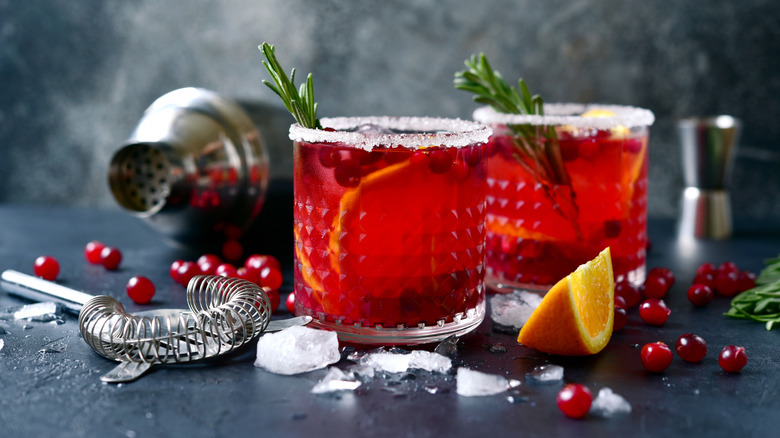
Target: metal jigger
<point x="708" y="150"/>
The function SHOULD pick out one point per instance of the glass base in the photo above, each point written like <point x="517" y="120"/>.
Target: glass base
<point x="403" y="335"/>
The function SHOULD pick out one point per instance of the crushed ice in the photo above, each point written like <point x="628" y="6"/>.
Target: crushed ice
<point x="547" y="373"/>
<point x="475" y="383"/>
<point x="336" y="380"/>
<point x="297" y="350"/>
<point x="398" y="363"/>
<point x="37" y="312"/>
<point x="608" y="404"/>
<point x="2" y="344"/>
<point x="513" y="309"/>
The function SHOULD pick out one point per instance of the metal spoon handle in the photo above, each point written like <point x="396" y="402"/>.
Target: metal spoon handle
<point x="38" y="289"/>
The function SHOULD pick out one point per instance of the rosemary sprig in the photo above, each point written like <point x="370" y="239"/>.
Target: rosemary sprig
<point x="537" y="148"/>
<point x="762" y="303"/>
<point x="300" y="103"/>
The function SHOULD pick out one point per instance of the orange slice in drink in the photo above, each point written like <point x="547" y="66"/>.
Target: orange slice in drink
<point x="575" y="317"/>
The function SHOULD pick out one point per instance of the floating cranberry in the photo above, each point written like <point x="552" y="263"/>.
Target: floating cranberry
<point x="92" y="251"/>
<point x="460" y="170"/>
<point x="700" y="295"/>
<point x="440" y="161"/>
<point x="654" y="311"/>
<point x="732" y="358"/>
<point x="46" y="267"/>
<point x="110" y="257"/>
<point x="656" y="357"/>
<point x="419" y="158"/>
<point x="347" y="173"/>
<point x="473" y="156"/>
<point x="140" y="289"/>
<point x="630" y="293"/>
<point x="691" y="347"/>
<point x="574" y="400"/>
<point x="290" y="303"/>
<point x="612" y="229"/>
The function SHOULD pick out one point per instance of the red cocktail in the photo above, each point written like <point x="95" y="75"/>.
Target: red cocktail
<point x="562" y="187"/>
<point x="390" y="227"/>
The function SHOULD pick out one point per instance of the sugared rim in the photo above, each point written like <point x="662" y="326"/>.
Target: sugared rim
<point x="570" y="114"/>
<point x="459" y="133"/>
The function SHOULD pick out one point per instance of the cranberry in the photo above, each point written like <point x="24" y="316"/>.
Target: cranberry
<point x="225" y="270"/>
<point x="700" y="295"/>
<point x="728" y="267"/>
<point x="654" y="311"/>
<point x="620" y="302"/>
<point x="574" y="400"/>
<point x="256" y="262"/>
<point x="656" y="357"/>
<point x="290" y="303"/>
<point x="732" y="358"/>
<point x="473" y="155"/>
<point x="174" y="270"/>
<point x="460" y="170"/>
<point x="745" y="281"/>
<point x="110" y="257"/>
<point x="691" y="347"/>
<point x="440" y="161"/>
<point x="186" y="271"/>
<point x="270" y="277"/>
<point x="232" y="250"/>
<point x="419" y="158"/>
<point x="726" y="283"/>
<point x="629" y="292"/>
<point x="347" y="173"/>
<point x="273" y="296"/>
<point x="329" y="157"/>
<point x="92" y="251"/>
<point x="140" y="289"/>
<point x="621" y="318"/>
<point x="208" y="264"/>
<point x="245" y="274"/>
<point x="658" y="282"/>
<point x="612" y="229"/>
<point x="706" y="278"/>
<point x="46" y="267"/>
<point x="706" y="268"/>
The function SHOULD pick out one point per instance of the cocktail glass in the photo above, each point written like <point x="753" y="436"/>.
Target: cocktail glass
<point x="389" y="224"/>
<point x="561" y="187"/>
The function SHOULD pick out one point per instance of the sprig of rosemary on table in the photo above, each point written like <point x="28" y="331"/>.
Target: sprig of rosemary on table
<point x="762" y="303"/>
<point x="300" y="103"/>
<point x="537" y="147"/>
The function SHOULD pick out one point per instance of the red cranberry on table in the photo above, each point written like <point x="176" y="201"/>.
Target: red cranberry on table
<point x="732" y="358"/>
<point x="574" y="400"/>
<point x="46" y="267"/>
<point x="658" y="282"/>
<point x="656" y="357"/>
<point x="92" y="251"/>
<point x="700" y="295"/>
<point x="140" y="289"/>
<point x="654" y="311"/>
<point x="630" y="293"/>
<point x="110" y="258"/>
<point x="290" y="303"/>
<point x="691" y="347"/>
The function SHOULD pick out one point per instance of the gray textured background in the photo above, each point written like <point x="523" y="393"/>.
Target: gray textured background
<point x="76" y="76"/>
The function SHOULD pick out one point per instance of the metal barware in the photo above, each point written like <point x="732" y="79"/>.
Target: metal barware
<point x="708" y="149"/>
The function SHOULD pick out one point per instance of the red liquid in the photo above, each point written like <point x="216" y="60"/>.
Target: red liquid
<point x="392" y="237"/>
<point x="540" y="230"/>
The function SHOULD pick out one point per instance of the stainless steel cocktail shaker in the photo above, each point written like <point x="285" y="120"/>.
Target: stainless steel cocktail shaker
<point x="708" y="150"/>
<point x="194" y="167"/>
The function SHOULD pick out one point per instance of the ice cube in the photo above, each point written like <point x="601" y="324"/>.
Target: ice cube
<point x="433" y="362"/>
<point x="335" y="380"/>
<point x="2" y="344"/>
<point x="448" y="347"/>
<point x="387" y="362"/>
<point x="475" y="383"/>
<point x="362" y="371"/>
<point x="370" y="128"/>
<point x="297" y="350"/>
<point x="547" y="373"/>
<point x="608" y="404"/>
<point x="513" y="309"/>
<point x="40" y="312"/>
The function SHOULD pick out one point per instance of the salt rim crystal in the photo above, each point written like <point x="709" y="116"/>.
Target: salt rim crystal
<point x="570" y="114"/>
<point x="461" y="133"/>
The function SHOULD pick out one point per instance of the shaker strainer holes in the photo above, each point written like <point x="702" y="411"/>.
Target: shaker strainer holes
<point x="145" y="178"/>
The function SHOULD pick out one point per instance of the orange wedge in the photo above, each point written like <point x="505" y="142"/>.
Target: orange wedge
<point x="575" y="317"/>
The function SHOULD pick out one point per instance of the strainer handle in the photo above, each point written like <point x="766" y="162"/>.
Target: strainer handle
<point x="38" y="289"/>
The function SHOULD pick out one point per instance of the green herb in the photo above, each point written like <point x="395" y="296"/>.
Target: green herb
<point x="537" y="148"/>
<point x="300" y="103"/>
<point x="762" y="303"/>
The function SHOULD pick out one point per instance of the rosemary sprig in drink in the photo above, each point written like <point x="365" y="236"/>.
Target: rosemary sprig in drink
<point x="762" y="303"/>
<point x="537" y="147"/>
<point x="300" y="103"/>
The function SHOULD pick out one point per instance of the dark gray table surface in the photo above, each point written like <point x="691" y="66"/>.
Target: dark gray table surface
<point x="57" y="392"/>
